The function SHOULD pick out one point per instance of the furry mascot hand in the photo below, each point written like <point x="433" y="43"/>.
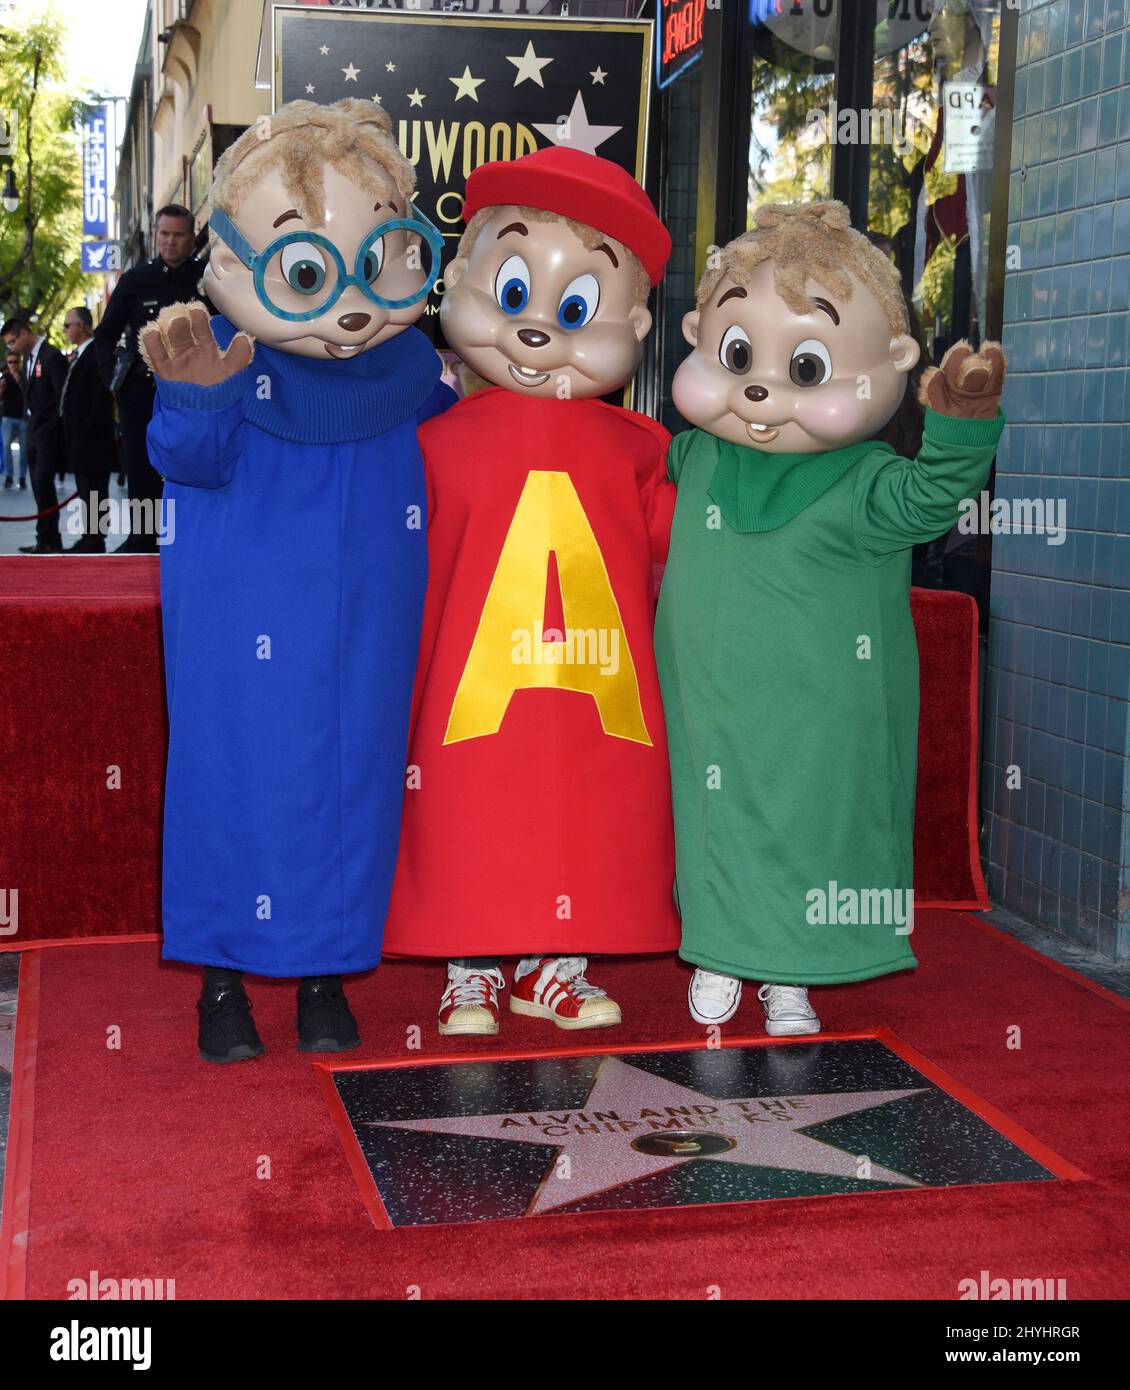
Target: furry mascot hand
<point x="968" y="384"/>
<point x="179" y="346"/>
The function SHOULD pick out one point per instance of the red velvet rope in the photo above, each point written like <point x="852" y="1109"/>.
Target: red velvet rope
<point x="34" y="516"/>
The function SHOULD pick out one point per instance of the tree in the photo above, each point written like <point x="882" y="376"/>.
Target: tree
<point x="40" y="242"/>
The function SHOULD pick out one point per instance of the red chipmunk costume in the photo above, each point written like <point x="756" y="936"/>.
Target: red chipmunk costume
<point x="538" y="813"/>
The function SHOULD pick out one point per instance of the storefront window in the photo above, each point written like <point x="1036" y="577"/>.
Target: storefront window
<point x="928" y="125"/>
<point x="934" y="98"/>
<point x="793" y="76"/>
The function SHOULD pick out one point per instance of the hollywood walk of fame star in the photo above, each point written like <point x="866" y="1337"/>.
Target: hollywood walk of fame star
<point x="598" y="75"/>
<point x="529" y="66"/>
<point x="467" y="86"/>
<point x="576" y="131"/>
<point x="351" y="73"/>
<point x="416" y="97"/>
<point x="626" y="1103"/>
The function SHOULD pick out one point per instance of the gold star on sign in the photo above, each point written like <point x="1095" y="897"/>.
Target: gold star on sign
<point x="323" y="50"/>
<point x="416" y="98"/>
<point x="466" y="86"/>
<point x="529" y="66"/>
<point x="351" y="73"/>
<point x="309" y="88"/>
<point x="598" y="75"/>
<point x="390" y="67"/>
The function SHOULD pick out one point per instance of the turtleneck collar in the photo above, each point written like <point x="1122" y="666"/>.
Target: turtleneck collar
<point x="757" y="491"/>
<point x="340" y="400"/>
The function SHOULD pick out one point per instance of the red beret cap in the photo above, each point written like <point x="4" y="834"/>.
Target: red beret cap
<point x="583" y="186"/>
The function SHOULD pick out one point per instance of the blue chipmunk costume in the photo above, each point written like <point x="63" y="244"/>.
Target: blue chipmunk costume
<point x="294" y="572"/>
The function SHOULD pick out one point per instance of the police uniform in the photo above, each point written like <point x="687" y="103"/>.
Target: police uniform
<point x="139" y="296"/>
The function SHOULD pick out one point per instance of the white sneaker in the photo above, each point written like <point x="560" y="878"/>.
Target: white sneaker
<point x="787" y="1011"/>
<point x="713" y="998"/>
<point x="470" y="1002"/>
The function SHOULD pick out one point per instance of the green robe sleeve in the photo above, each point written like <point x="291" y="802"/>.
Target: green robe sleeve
<point x="900" y="502"/>
<point x="677" y="453"/>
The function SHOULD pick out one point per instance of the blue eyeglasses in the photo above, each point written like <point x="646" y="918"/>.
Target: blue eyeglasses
<point x="311" y="266"/>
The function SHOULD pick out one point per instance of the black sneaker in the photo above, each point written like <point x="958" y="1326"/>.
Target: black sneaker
<point x="325" y="1021"/>
<point x="227" y="1030"/>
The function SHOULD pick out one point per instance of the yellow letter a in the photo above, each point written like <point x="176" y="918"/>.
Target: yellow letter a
<point x="548" y="517"/>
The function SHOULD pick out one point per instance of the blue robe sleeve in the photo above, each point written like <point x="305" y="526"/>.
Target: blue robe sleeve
<point x="192" y="435"/>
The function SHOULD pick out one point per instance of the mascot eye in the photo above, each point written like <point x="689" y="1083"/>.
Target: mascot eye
<point x="374" y="260"/>
<point x="579" y="302"/>
<point x="303" y="267"/>
<point x="811" y="364"/>
<point x="736" y="352"/>
<point x="512" y="285"/>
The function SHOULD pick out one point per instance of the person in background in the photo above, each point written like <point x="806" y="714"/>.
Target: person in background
<point x="12" y="429"/>
<point x="87" y="413"/>
<point x="171" y="277"/>
<point x="44" y="371"/>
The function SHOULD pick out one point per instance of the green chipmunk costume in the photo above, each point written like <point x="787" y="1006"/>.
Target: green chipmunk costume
<point x="785" y="645"/>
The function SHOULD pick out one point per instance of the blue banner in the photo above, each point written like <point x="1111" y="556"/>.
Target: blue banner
<point x="95" y="172"/>
<point x="101" y="257"/>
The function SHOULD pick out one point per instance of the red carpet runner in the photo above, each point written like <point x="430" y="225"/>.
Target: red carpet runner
<point x="145" y="1163"/>
<point x="82" y="745"/>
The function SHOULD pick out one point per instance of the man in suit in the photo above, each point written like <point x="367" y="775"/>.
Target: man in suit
<point x="87" y="413"/>
<point x="171" y="277"/>
<point x="45" y="370"/>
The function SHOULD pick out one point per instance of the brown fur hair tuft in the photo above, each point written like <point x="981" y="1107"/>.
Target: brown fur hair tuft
<point x="814" y="241"/>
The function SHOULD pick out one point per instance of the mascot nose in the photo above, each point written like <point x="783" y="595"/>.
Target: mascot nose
<point x="353" y="323"/>
<point x="533" y="337"/>
<point x="756" y="393"/>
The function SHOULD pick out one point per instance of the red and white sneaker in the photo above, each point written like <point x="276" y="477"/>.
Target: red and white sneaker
<point x="470" y="1002"/>
<point x="555" y="988"/>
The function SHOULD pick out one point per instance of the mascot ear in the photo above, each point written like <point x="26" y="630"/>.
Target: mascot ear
<point x="223" y="261"/>
<point x="690" y="327"/>
<point x="639" y="316"/>
<point x="905" y="352"/>
<point x="454" y="272"/>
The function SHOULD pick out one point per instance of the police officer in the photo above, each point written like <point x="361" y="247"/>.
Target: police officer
<point x="171" y="277"/>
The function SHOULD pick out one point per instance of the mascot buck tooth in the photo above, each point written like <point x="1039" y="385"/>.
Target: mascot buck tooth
<point x="538" y="818"/>
<point x="293" y="593"/>
<point x="784" y="637"/>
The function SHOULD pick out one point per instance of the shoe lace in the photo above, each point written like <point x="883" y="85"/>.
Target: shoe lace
<point x="227" y="1001"/>
<point x="570" y="970"/>
<point x="473" y="986"/>
<point x="785" y="998"/>
<point x="715" y="986"/>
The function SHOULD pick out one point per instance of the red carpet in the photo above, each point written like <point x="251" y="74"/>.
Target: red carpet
<point x="82" y="744"/>
<point x="143" y="1161"/>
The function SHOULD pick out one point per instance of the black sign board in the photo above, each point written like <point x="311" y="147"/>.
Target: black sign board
<point x="463" y="90"/>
